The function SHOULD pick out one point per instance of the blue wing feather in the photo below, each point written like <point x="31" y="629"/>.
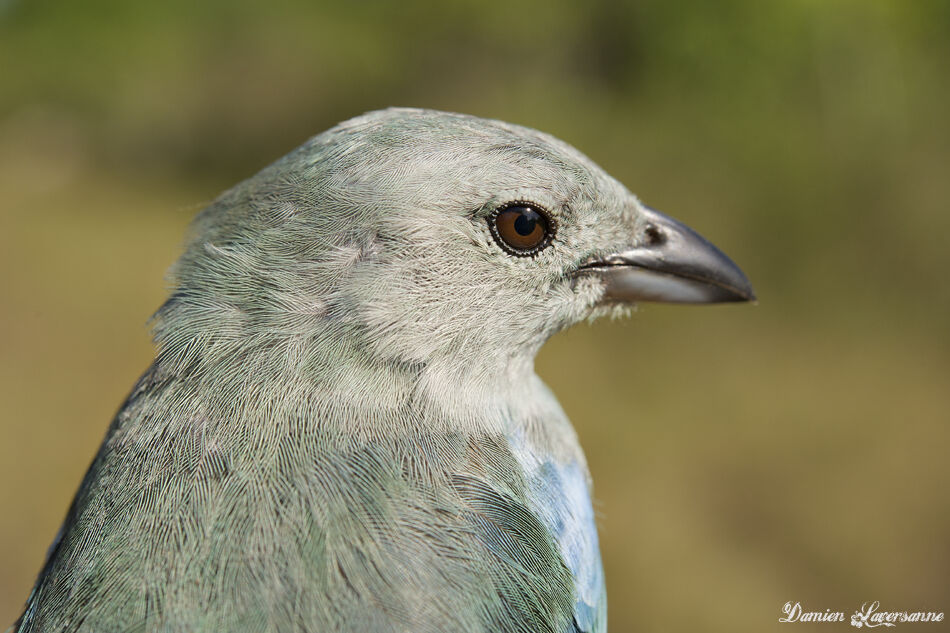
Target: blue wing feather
<point x="561" y="499"/>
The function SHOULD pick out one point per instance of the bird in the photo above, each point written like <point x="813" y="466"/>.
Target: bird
<point x="342" y="428"/>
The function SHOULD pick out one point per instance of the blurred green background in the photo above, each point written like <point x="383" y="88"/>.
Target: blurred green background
<point x="743" y="456"/>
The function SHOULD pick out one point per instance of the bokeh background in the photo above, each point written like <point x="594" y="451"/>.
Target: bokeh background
<point x="743" y="456"/>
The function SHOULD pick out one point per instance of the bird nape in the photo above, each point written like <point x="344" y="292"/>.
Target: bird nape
<point x="342" y="429"/>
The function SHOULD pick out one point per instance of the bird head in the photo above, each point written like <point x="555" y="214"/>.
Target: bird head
<point x="422" y="238"/>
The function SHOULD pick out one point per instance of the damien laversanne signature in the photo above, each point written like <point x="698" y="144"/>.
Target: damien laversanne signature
<point x="868" y="615"/>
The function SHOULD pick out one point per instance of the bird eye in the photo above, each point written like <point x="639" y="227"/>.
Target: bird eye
<point x="521" y="228"/>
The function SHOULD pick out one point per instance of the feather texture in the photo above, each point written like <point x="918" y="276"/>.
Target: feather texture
<point x="342" y="430"/>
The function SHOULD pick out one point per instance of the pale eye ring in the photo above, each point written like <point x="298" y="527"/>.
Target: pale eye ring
<point x="521" y="228"/>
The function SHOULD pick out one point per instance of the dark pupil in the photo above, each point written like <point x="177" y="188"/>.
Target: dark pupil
<point x="525" y="222"/>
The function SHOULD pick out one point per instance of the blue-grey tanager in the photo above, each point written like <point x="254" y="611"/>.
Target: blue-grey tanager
<point x="342" y="430"/>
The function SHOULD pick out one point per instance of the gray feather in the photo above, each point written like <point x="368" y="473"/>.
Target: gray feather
<point x="342" y="430"/>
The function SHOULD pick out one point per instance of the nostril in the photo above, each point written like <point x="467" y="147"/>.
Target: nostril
<point x="654" y="236"/>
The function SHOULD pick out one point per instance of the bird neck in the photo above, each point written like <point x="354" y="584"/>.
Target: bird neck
<point x="333" y="377"/>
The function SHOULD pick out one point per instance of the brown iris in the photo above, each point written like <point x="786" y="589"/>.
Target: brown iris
<point x="521" y="228"/>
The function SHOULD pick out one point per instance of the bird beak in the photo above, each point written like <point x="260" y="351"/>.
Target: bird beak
<point x="671" y="263"/>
